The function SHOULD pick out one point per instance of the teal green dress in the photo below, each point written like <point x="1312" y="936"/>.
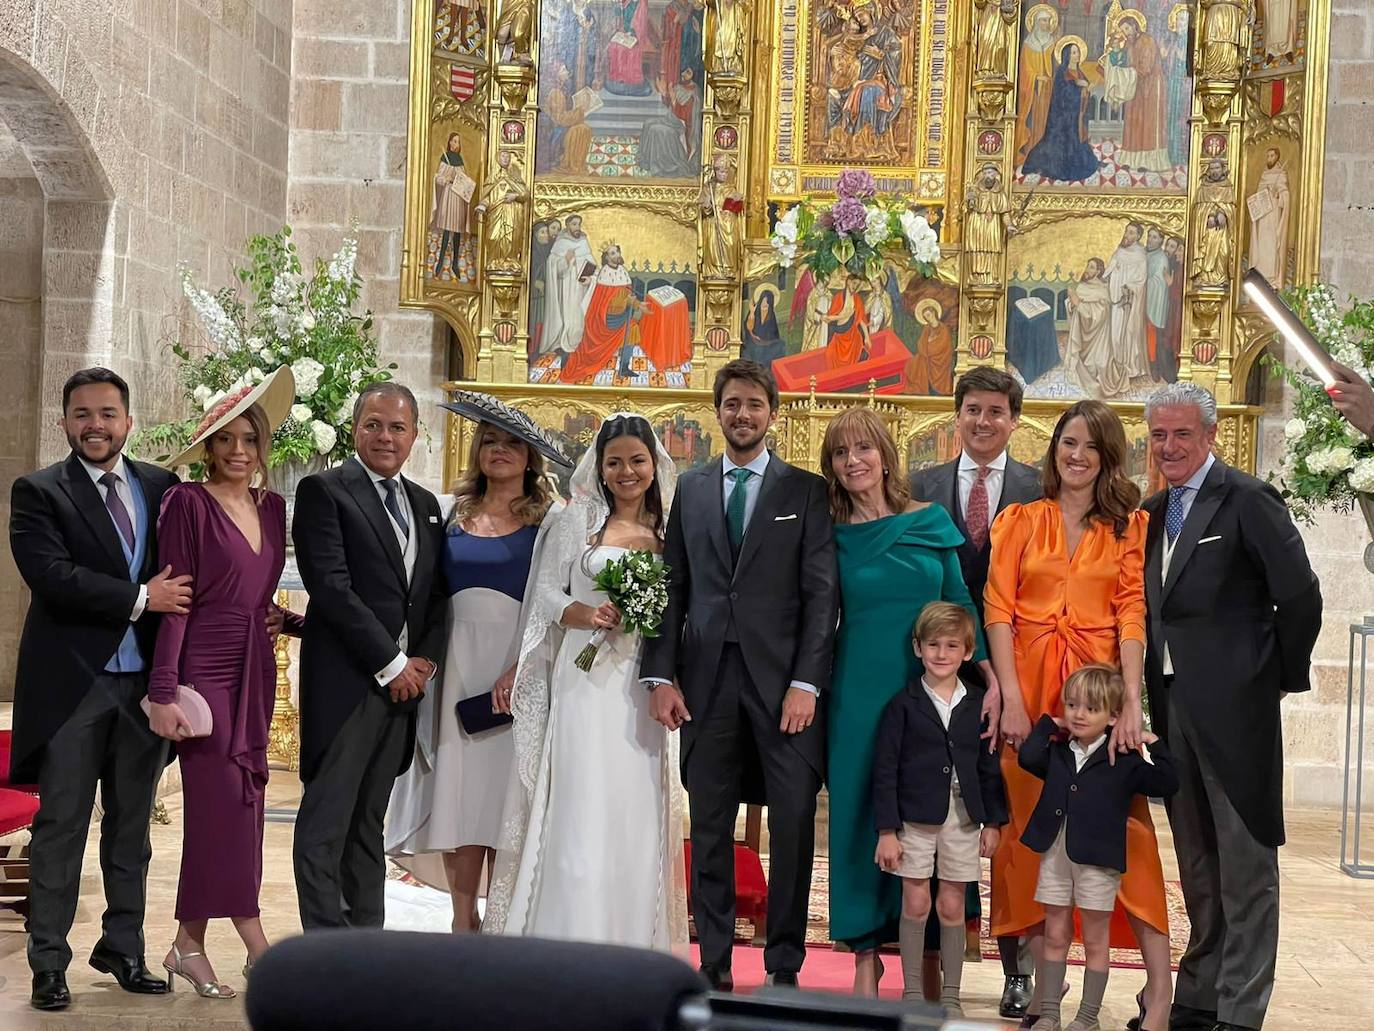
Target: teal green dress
<point x="890" y="569"/>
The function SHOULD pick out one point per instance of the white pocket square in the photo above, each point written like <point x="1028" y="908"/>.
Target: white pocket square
<point x="433" y="519"/>
<point x="1209" y="540"/>
<point x="783" y="519"/>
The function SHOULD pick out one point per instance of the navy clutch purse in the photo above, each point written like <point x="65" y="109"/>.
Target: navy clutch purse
<point x="475" y="715"/>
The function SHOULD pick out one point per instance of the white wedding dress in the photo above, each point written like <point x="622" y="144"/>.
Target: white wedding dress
<point x="596" y="858"/>
<point x="592" y="848"/>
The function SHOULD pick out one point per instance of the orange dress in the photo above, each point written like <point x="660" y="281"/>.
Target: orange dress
<point x="1066" y="613"/>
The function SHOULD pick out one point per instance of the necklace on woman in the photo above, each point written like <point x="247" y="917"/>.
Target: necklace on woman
<point x="486" y="522"/>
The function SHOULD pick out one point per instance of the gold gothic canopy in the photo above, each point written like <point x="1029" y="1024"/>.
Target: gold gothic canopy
<point x="592" y="185"/>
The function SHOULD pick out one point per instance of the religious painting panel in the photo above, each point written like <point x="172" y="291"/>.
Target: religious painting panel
<point x="1104" y="95"/>
<point x="451" y="232"/>
<point x="1279" y="44"/>
<point x="620" y="89"/>
<point x="613" y="297"/>
<point x="1095" y="306"/>
<point x="1271" y="190"/>
<point x="897" y="331"/>
<point x="865" y="65"/>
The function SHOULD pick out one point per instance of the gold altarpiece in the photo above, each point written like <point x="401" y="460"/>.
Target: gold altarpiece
<point x="591" y="187"/>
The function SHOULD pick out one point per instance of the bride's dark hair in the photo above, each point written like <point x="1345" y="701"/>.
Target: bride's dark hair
<point x="638" y="427"/>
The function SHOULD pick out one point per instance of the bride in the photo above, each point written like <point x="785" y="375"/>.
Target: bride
<point x="591" y="847"/>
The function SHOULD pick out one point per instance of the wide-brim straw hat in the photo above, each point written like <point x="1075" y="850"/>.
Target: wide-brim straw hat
<point x="479" y="407"/>
<point x="274" y="395"/>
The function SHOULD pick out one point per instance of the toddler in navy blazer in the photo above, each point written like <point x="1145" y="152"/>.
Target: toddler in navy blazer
<point x="938" y="798"/>
<point x="1079" y="827"/>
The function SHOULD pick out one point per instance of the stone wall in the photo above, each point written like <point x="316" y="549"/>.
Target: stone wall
<point x="349" y="104"/>
<point x="21" y="342"/>
<point x="1314" y="724"/>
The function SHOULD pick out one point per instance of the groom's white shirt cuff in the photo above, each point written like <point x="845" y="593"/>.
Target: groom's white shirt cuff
<point x="802" y="685"/>
<point x="393" y="669"/>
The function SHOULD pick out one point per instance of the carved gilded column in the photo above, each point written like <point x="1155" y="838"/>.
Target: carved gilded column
<point x="721" y="216"/>
<point x="1214" y="261"/>
<point x="504" y="208"/>
<point x="987" y="216"/>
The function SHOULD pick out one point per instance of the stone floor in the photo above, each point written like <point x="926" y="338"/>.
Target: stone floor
<point x="1326" y="955"/>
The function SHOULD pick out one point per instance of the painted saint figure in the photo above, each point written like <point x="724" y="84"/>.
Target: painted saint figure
<point x="1035" y="77"/>
<point x="1126" y="274"/>
<point x="626" y="51"/>
<point x="611" y="324"/>
<point x="1269" y="209"/>
<point x="1089" y="351"/>
<point x="449" y="216"/>
<point x="503" y="208"/>
<point x="1064" y="153"/>
<point x="567" y="283"/>
<point x="931" y="369"/>
<point x="763" y="341"/>
<point x="988" y="225"/>
<point x="567" y="141"/>
<point x="1145" y="136"/>
<point x="721" y="206"/>
<point x="848" y="321"/>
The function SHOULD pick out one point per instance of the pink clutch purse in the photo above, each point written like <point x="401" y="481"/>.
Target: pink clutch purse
<point x="195" y="707"/>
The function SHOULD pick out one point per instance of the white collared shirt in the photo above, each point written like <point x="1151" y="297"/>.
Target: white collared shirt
<point x="1082" y="753"/>
<point x="942" y="708"/>
<point x="1193" y="485"/>
<point x="968" y="473"/>
<point x="408" y="543"/>
<point x="752" y="486"/>
<point x="125" y="494"/>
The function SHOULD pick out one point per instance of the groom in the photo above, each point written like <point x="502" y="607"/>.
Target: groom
<point x="748" y="636"/>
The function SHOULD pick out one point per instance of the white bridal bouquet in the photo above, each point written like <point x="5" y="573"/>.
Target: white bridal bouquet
<point x="636" y="584"/>
<point x="288" y="318"/>
<point x="1327" y="463"/>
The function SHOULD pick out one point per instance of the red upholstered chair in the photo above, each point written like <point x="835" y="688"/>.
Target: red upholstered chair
<point x="751" y="887"/>
<point x="18" y="804"/>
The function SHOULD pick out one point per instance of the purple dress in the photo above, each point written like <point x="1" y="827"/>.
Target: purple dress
<point x="221" y="649"/>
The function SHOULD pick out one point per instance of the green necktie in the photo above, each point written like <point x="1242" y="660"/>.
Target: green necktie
<point x="734" y="508"/>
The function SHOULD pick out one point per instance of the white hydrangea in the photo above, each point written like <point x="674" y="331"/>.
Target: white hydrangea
<point x="1294" y="429"/>
<point x="283" y="287"/>
<point x="345" y="410"/>
<point x="307" y="372"/>
<point x="1362" y="476"/>
<point x="268" y="355"/>
<point x="255" y="344"/>
<point x="201" y="395"/>
<point x="305" y="322"/>
<point x="875" y="228"/>
<point x="302" y="414"/>
<point x="325" y="436"/>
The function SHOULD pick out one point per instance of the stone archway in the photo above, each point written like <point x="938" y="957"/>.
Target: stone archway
<point x="57" y="291"/>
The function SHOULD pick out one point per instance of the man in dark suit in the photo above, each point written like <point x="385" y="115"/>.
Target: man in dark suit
<point x="84" y="536"/>
<point x="973" y="488"/>
<point x="369" y="543"/>
<point x="1234" y="612"/>
<point x="748" y="636"/>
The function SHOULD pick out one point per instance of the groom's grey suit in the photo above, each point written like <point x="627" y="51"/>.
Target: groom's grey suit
<point x="740" y="629"/>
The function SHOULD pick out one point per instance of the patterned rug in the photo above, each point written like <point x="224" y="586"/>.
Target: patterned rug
<point x="642" y="374"/>
<point x="1110" y="174"/>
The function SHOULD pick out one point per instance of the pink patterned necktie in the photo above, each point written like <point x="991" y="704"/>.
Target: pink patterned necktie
<point x="976" y="514"/>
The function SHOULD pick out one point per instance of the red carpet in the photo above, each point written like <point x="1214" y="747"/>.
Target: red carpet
<point x="824" y="971"/>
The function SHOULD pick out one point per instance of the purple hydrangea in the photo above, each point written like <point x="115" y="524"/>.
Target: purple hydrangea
<point x="856" y="183"/>
<point x="850" y="215"/>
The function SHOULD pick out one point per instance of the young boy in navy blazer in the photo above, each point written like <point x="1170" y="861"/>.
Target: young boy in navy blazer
<point x="937" y="792"/>
<point x="1079" y="826"/>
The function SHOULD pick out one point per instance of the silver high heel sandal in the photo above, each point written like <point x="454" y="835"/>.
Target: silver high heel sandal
<point x="207" y="990"/>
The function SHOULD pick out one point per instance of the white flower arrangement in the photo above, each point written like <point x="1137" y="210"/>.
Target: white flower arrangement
<point x="856" y="232"/>
<point x="287" y="318"/>
<point x="1327" y="461"/>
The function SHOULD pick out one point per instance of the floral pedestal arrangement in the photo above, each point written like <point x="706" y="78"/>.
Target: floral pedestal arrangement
<point x="284" y="318"/>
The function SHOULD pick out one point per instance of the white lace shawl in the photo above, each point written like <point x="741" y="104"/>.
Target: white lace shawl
<point x="563" y="539"/>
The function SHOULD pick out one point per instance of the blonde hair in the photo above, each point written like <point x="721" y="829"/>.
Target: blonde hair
<point x="471" y="487"/>
<point x="941" y="618"/>
<point x="851" y="425"/>
<point x="257" y="418"/>
<point x="1099" y="686"/>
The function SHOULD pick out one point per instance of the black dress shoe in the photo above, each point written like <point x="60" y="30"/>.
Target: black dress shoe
<point x="50" y="991"/>
<point x="129" y="971"/>
<point x="1187" y="1018"/>
<point x="1222" y="1025"/>
<point x="783" y="978"/>
<point x="719" y="980"/>
<point x="1016" y="996"/>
